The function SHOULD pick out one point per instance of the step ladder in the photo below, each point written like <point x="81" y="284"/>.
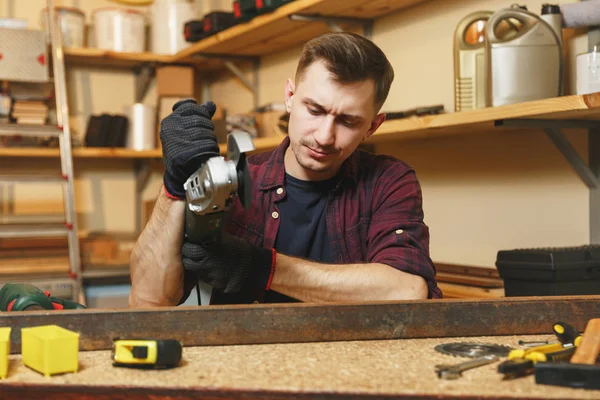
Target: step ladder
<point x="67" y="228"/>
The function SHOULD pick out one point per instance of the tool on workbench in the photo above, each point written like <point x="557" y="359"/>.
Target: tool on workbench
<point x="583" y="370"/>
<point x="565" y="333"/>
<point x="24" y="296"/>
<point x="211" y="191"/>
<point x="533" y="343"/>
<point x="521" y="362"/>
<point x="473" y="350"/>
<point x="454" y="371"/>
<point x="146" y="353"/>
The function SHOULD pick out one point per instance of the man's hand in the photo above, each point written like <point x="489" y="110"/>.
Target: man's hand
<point x="188" y="139"/>
<point x="230" y="263"/>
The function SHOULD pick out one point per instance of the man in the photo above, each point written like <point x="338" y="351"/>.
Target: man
<point x="327" y="223"/>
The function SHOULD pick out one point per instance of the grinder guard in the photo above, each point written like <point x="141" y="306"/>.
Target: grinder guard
<point x="211" y="190"/>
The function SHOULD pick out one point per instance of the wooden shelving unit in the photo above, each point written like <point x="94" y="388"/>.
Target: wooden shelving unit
<point x="473" y="122"/>
<point x="262" y="35"/>
<point x="274" y="31"/>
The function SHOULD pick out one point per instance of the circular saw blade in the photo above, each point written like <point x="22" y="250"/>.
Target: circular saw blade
<point x="473" y="350"/>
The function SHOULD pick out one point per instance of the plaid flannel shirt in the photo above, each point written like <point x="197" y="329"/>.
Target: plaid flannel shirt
<point x="374" y="215"/>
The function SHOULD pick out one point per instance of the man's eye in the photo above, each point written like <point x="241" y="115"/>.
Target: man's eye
<point x="314" y="111"/>
<point x="348" y="123"/>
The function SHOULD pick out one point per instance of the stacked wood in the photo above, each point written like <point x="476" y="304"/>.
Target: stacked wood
<point x="44" y="256"/>
<point x="469" y="282"/>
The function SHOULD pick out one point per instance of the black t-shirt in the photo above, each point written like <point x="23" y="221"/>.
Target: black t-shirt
<point x="303" y="224"/>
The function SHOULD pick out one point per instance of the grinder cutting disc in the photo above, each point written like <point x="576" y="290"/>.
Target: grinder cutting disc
<point x="473" y="350"/>
<point x="238" y="144"/>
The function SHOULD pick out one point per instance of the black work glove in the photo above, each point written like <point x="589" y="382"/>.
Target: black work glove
<point x="230" y="263"/>
<point x="188" y="140"/>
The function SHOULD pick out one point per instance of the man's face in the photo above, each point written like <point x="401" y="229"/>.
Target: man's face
<point x="328" y="120"/>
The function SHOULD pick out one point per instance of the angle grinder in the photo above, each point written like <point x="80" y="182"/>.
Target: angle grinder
<point x="212" y="190"/>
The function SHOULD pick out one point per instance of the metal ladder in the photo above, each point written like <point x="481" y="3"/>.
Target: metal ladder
<point x="63" y="132"/>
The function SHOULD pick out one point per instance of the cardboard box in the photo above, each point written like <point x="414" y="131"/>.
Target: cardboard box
<point x="175" y="81"/>
<point x="267" y="124"/>
<point x="24" y="55"/>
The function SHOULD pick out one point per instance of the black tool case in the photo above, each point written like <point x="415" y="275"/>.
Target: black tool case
<point x="550" y="271"/>
<point x="212" y="23"/>
<point x="264" y="6"/>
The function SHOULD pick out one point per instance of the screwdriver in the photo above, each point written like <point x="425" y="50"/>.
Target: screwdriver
<point x="521" y="361"/>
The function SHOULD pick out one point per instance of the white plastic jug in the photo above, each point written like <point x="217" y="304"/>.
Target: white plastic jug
<point x="523" y="58"/>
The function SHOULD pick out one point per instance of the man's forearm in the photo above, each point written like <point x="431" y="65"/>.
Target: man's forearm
<point x="313" y="282"/>
<point x="156" y="268"/>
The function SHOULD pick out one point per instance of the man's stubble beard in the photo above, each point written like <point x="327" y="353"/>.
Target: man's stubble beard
<point x="297" y="150"/>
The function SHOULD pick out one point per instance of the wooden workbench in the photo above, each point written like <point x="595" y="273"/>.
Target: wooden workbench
<point x="335" y="351"/>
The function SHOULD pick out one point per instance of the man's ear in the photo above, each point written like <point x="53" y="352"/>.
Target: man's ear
<point x="375" y="124"/>
<point x="290" y="89"/>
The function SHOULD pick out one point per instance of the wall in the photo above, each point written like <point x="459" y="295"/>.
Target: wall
<point x="481" y="193"/>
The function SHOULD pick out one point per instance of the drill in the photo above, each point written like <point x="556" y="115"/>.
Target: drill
<point x="26" y="297"/>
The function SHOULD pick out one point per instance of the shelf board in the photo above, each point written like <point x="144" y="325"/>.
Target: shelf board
<point x="29" y="130"/>
<point x="90" y="57"/>
<point x="80" y="152"/>
<point x="453" y="123"/>
<point x="475" y="122"/>
<point x="483" y="120"/>
<point x="274" y="31"/>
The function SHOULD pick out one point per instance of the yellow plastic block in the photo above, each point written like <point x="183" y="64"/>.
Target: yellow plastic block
<point x="4" y="351"/>
<point x="50" y="349"/>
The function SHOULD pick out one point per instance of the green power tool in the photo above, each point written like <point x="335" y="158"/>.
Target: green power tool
<point x="26" y="297"/>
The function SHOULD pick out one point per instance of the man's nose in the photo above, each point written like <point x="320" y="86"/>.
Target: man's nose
<point x="325" y="134"/>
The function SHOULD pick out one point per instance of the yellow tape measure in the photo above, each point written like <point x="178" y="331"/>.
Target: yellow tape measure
<point x="146" y="353"/>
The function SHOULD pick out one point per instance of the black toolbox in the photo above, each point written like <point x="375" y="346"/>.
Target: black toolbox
<point x="212" y="23"/>
<point x="265" y="6"/>
<point x="245" y="10"/>
<point x="555" y="271"/>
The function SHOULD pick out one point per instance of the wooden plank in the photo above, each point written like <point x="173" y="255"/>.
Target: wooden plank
<point x="477" y="281"/>
<point x="294" y="323"/>
<point x="379" y="8"/>
<point x="467" y="270"/>
<point x="482" y="120"/>
<point x="106" y="58"/>
<point x="455" y="291"/>
<point x="33" y="266"/>
<point x="80" y="152"/>
<point x="89" y="57"/>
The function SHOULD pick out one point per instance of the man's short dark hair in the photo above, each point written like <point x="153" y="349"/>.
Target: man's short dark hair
<point x="350" y="58"/>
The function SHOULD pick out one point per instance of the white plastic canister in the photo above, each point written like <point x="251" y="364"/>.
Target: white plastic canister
<point x="588" y="72"/>
<point x="168" y="21"/>
<point x="119" y="30"/>
<point x="141" y="132"/>
<point x="71" y="22"/>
